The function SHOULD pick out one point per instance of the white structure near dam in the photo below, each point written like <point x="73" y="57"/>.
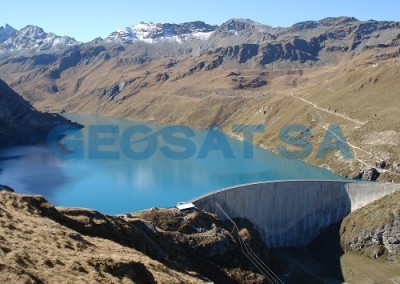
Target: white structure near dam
<point x="293" y="213"/>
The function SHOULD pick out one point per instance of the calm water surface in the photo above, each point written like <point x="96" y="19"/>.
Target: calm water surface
<point x="125" y="184"/>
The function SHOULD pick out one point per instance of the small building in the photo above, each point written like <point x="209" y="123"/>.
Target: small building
<point x="185" y="207"/>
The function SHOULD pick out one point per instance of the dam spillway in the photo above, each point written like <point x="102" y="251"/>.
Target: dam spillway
<point x="293" y="213"/>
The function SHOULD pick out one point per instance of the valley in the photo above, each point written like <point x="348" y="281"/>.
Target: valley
<point x="336" y="71"/>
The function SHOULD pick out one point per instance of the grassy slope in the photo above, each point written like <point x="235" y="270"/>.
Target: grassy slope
<point x="43" y="244"/>
<point x="36" y="249"/>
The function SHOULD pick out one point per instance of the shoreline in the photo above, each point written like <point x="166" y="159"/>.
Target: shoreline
<point x="240" y="138"/>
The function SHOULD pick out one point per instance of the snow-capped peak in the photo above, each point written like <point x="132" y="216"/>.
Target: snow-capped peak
<point x="153" y="32"/>
<point x="34" y="38"/>
<point x="6" y="32"/>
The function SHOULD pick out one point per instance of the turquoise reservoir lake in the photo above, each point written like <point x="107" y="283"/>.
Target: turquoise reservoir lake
<point x="124" y="184"/>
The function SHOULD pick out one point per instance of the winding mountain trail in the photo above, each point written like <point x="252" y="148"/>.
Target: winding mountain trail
<point x="354" y="147"/>
<point x="328" y="111"/>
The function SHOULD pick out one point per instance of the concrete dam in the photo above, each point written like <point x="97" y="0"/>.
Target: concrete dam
<point x="293" y="213"/>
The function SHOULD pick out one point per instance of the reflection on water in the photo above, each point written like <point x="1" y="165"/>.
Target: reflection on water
<point x="123" y="185"/>
<point x="31" y="170"/>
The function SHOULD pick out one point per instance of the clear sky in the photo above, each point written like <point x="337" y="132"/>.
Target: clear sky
<point x="88" y="19"/>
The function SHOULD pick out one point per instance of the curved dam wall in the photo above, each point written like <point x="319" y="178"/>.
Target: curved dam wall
<point x="293" y="213"/>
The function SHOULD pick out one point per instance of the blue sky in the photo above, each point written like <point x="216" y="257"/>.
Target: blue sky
<point x="87" y="19"/>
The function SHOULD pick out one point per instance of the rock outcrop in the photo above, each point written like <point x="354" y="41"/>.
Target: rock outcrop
<point x="370" y="174"/>
<point x="374" y="230"/>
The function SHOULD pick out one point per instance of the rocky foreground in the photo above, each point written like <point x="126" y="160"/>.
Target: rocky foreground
<point x="43" y="244"/>
<point x="40" y="243"/>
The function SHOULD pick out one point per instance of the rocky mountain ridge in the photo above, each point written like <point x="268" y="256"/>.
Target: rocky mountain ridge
<point x="6" y="32"/>
<point x="32" y="38"/>
<point x="237" y="41"/>
<point x="231" y="32"/>
<point x="153" y="32"/>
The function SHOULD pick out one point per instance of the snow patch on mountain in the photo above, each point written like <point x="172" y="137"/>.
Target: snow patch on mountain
<point x="34" y="38"/>
<point x="6" y="32"/>
<point x="152" y="32"/>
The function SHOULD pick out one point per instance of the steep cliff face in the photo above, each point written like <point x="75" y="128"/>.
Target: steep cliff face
<point x="20" y="122"/>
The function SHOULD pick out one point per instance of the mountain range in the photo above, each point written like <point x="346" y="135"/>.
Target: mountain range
<point x="240" y="30"/>
<point x="31" y="38"/>
<point x="152" y="32"/>
<point x="315" y="73"/>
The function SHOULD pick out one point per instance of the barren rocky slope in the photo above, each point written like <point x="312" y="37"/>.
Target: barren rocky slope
<point x="43" y="244"/>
